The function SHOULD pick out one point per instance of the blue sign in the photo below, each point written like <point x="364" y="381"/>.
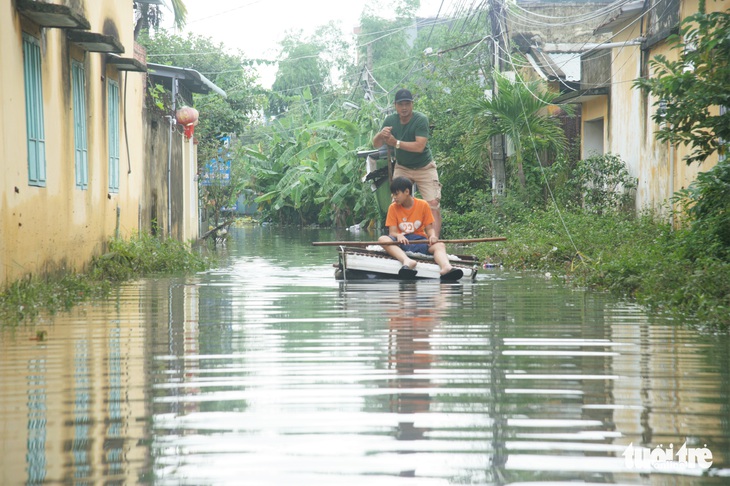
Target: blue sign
<point x="218" y="170"/>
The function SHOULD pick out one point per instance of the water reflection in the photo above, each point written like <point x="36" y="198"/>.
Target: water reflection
<point x="268" y="371"/>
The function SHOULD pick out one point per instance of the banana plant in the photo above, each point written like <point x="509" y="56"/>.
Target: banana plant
<point x="312" y="172"/>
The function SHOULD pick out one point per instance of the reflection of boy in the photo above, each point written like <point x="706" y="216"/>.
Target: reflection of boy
<point x="408" y="220"/>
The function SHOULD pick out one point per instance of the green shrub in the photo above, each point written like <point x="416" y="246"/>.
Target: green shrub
<point x="606" y="183"/>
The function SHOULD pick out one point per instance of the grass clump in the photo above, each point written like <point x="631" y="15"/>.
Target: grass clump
<point x="682" y="272"/>
<point x="25" y="299"/>
<point x="144" y="255"/>
<point x="141" y="255"/>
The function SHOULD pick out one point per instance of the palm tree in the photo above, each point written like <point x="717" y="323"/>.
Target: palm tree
<point x="149" y="15"/>
<point x="517" y="111"/>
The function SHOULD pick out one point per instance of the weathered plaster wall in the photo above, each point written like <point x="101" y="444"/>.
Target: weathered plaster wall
<point x="60" y="226"/>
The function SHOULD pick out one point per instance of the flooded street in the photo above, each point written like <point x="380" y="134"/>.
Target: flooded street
<point x="268" y="371"/>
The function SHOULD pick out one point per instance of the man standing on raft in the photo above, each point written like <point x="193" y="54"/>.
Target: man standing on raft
<point x="407" y="132"/>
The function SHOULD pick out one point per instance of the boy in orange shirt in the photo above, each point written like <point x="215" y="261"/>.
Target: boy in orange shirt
<point x="410" y="219"/>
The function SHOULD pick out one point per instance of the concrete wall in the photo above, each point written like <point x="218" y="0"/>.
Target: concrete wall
<point x="160" y="141"/>
<point x="59" y="226"/>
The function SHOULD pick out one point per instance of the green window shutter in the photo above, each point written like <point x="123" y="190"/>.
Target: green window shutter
<point x="34" y="111"/>
<point x="113" y="107"/>
<point x="78" y="82"/>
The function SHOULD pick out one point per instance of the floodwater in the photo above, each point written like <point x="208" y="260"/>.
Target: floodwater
<point x="267" y="371"/>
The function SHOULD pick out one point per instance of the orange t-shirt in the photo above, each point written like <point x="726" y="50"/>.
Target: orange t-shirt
<point x="410" y="221"/>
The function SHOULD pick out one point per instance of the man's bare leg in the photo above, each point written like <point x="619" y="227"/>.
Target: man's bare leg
<point x="436" y="217"/>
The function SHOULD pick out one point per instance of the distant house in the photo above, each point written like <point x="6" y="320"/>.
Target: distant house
<point x="82" y="160"/>
<point x="616" y="117"/>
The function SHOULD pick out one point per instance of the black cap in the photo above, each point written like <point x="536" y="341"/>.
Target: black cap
<point x="403" y="95"/>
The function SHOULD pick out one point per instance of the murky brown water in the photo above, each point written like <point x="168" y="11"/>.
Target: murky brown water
<point x="267" y="371"/>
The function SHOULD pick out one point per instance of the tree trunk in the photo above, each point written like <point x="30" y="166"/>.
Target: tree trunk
<point x="143" y="21"/>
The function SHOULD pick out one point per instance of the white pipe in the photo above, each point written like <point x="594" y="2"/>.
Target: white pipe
<point x="191" y="187"/>
<point x="611" y="45"/>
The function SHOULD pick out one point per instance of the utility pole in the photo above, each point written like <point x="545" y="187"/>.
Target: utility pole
<point x="499" y="32"/>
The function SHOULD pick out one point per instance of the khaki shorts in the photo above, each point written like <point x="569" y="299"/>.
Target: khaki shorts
<point x="426" y="180"/>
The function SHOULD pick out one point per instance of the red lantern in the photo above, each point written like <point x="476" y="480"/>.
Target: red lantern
<point x="188" y="117"/>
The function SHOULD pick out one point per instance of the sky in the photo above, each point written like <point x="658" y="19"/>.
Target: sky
<point x="257" y="26"/>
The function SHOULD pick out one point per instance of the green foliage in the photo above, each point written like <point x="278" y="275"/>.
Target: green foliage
<point x="451" y="81"/>
<point x="694" y="86"/>
<point x="149" y="15"/>
<point x="218" y="193"/>
<point x="384" y="43"/>
<point x="486" y="218"/>
<point x="641" y="258"/>
<point x="156" y="95"/>
<point x="707" y="203"/>
<point x="561" y="180"/>
<point x="28" y="297"/>
<point x="307" y="174"/>
<point x="230" y="71"/>
<point x="145" y="255"/>
<point x="302" y="73"/>
<point x="306" y="67"/>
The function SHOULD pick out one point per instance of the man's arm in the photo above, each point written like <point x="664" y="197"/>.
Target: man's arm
<point x="383" y="137"/>
<point x="418" y="146"/>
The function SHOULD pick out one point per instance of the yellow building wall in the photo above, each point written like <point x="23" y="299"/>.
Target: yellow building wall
<point x="596" y="109"/>
<point x="625" y="127"/>
<point x="60" y="226"/>
<point x="631" y="132"/>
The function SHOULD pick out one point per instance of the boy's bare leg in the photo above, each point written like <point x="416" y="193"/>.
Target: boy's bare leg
<point x="438" y="250"/>
<point x="397" y="252"/>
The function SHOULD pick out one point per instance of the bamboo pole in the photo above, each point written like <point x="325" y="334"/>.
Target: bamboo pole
<point x="368" y="243"/>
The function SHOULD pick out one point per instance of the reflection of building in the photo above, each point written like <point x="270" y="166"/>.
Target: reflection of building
<point x="662" y="398"/>
<point x="76" y="406"/>
<point x="71" y="403"/>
